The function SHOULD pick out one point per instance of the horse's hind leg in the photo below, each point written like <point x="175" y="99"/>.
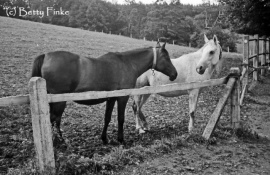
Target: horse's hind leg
<point x="121" y="106"/>
<point x="108" y="113"/>
<point x="193" y="100"/>
<point x="56" y="111"/>
<point x="141" y="123"/>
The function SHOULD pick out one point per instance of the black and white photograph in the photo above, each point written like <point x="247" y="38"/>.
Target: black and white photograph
<point x="134" y="87"/>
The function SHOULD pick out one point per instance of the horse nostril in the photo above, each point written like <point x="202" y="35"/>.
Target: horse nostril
<point x="200" y="67"/>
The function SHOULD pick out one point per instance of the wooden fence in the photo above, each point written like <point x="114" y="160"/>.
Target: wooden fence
<point x="39" y="103"/>
<point x="256" y="69"/>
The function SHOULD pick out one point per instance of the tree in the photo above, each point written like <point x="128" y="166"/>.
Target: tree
<point x="249" y="16"/>
<point x="226" y="38"/>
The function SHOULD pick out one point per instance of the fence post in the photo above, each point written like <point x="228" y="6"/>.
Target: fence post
<point x="41" y="124"/>
<point x="268" y="53"/>
<point x="263" y="60"/>
<point x="235" y="106"/>
<point x="211" y="125"/>
<point x="245" y="66"/>
<point x="256" y="59"/>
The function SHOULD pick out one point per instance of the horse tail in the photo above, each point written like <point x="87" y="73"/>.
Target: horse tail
<point x="36" y="69"/>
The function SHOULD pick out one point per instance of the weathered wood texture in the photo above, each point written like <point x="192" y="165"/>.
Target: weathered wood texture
<point x="244" y="77"/>
<point x="24" y="99"/>
<point x="263" y="58"/>
<point x="14" y="100"/>
<point x="209" y="129"/>
<point x="41" y="125"/>
<point x="256" y="59"/>
<point x="235" y="99"/>
<point x="126" y="92"/>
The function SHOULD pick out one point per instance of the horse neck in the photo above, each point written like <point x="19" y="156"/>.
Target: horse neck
<point x="140" y="61"/>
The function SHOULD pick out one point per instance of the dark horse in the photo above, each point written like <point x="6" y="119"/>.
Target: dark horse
<point x="67" y="72"/>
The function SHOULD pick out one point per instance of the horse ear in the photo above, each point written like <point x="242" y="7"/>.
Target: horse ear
<point x="215" y="39"/>
<point x="158" y="44"/>
<point x="163" y="46"/>
<point x="205" y="38"/>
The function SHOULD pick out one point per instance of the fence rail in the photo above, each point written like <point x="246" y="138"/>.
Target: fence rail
<point x="52" y="98"/>
<point x="14" y="100"/>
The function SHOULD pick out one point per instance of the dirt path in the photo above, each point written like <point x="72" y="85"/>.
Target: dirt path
<point x="256" y="108"/>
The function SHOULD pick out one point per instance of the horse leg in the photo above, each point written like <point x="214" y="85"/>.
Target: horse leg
<point x="141" y="123"/>
<point x="121" y="106"/>
<point x="56" y="111"/>
<point x="108" y="114"/>
<point x="193" y="99"/>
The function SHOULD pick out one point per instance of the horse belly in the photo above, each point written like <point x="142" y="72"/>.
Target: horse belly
<point x="92" y="102"/>
<point x="173" y="93"/>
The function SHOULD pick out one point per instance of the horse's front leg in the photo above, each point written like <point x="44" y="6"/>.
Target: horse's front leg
<point x="108" y="113"/>
<point x="140" y="119"/>
<point x="121" y="106"/>
<point x="193" y="100"/>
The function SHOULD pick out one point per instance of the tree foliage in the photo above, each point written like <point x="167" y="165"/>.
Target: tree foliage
<point x="173" y="22"/>
<point x="249" y="16"/>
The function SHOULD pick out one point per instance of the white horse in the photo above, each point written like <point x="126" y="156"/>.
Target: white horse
<point x="196" y="66"/>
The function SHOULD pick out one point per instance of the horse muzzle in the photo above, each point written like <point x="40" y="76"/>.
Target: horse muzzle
<point x="200" y="70"/>
<point x="173" y="77"/>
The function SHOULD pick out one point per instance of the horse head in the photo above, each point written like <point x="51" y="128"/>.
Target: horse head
<point x="162" y="62"/>
<point x="211" y="56"/>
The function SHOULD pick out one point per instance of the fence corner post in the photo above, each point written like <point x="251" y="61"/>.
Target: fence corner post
<point x="235" y="99"/>
<point x="41" y="124"/>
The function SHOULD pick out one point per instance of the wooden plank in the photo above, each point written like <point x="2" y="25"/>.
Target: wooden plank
<point x="125" y="92"/>
<point x="261" y="68"/>
<point x="256" y="59"/>
<point x="41" y="125"/>
<point x="243" y="94"/>
<point x="218" y="110"/>
<point x="244" y="77"/>
<point x="235" y="99"/>
<point x="243" y="74"/>
<point x="268" y="49"/>
<point x="263" y="59"/>
<point x="209" y="129"/>
<point x="254" y="56"/>
<point x="14" y="100"/>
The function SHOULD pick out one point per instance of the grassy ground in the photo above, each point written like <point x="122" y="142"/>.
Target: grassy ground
<point x="167" y="149"/>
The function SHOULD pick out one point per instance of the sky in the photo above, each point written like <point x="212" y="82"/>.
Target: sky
<point x="193" y="2"/>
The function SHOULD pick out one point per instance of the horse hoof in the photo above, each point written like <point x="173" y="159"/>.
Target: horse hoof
<point x="105" y="141"/>
<point x="121" y="141"/>
<point x="141" y="131"/>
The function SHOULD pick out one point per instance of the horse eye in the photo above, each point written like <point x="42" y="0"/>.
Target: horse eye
<point x="211" y="52"/>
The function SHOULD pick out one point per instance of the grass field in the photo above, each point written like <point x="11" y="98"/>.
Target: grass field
<point x="164" y="150"/>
